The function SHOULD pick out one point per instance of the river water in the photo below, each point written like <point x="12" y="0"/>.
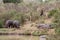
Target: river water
<point x="18" y="37"/>
<point x="42" y="37"/>
<point x="22" y="37"/>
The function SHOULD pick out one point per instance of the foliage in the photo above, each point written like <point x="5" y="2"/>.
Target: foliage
<point x="12" y="1"/>
<point x="56" y="21"/>
<point x="19" y="17"/>
<point x="52" y="13"/>
<point x="57" y="31"/>
<point x="27" y="32"/>
<point x="56" y="14"/>
<point x="1" y="24"/>
<point x="53" y="37"/>
<point x="12" y="15"/>
<point x="36" y="33"/>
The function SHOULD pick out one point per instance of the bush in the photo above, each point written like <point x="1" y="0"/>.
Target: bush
<point x="44" y="32"/>
<point x="36" y="33"/>
<point x="57" y="19"/>
<point x="20" y="17"/>
<point x="57" y="22"/>
<point x="34" y="16"/>
<point x="53" y="37"/>
<point x="54" y="25"/>
<point x="27" y="32"/>
<point x="1" y="24"/>
<point x="52" y="13"/>
<point x="57" y="31"/>
<point x="13" y="15"/>
<point x="12" y="1"/>
<point x="7" y="15"/>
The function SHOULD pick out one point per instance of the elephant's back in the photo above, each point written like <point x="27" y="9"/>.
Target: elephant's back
<point x="16" y="22"/>
<point x="9" y="21"/>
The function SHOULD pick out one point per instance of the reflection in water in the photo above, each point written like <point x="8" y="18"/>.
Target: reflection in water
<point x="22" y="37"/>
<point x="42" y="37"/>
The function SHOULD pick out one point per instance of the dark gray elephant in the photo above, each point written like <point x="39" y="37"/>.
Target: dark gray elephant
<point x="16" y="23"/>
<point x="9" y="23"/>
<point x="12" y="24"/>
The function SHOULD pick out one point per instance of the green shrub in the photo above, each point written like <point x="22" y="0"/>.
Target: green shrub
<point x="27" y="32"/>
<point x="56" y="14"/>
<point x="34" y="16"/>
<point x="57" y="19"/>
<point x="7" y="15"/>
<point x="1" y="24"/>
<point x="57" y="31"/>
<point x="52" y="13"/>
<point x="13" y="15"/>
<point x="44" y="32"/>
<point x="36" y="33"/>
<point x="54" y="25"/>
<point x="12" y="1"/>
<point x="53" y="37"/>
<point x="20" y="17"/>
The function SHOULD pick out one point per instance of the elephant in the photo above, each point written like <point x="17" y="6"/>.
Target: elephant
<point x="8" y="23"/>
<point x="12" y="24"/>
<point x="16" y="24"/>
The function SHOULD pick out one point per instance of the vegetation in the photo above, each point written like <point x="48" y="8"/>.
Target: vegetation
<point x="36" y="33"/>
<point x="12" y="1"/>
<point x="52" y="13"/>
<point x="53" y="37"/>
<point x="56" y="22"/>
<point x="27" y="32"/>
<point x="1" y="24"/>
<point x="30" y="13"/>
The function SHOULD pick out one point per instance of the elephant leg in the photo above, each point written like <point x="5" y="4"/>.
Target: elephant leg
<point x="16" y="26"/>
<point x="12" y="26"/>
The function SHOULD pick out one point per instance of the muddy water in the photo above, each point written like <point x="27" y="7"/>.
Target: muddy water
<point x="17" y="37"/>
<point x="22" y="37"/>
<point x="42" y="37"/>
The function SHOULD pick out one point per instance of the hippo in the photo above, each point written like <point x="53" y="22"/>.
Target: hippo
<point x="48" y="26"/>
<point x="12" y="24"/>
